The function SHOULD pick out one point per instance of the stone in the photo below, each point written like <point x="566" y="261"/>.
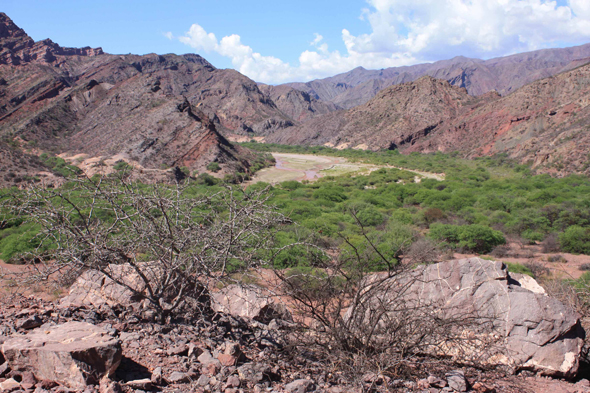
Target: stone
<point x="210" y="365"/>
<point x="157" y="376"/>
<point x="300" y="386"/>
<point x="527" y="282"/>
<point x="74" y="354"/>
<point x="456" y="380"/>
<point x="108" y="386"/>
<point x="177" y="350"/>
<point x="529" y="330"/>
<point x="144" y="384"/>
<point x="233" y="381"/>
<point x="4" y="369"/>
<point x="95" y="288"/>
<point x="436" y="381"/>
<point x="178" y="377"/>
<point x="250" y="303"/>
<point x="227" y="360"/>
<point x="31" y="323"/>
<point x="9" y="385"/>
<point x="203" y="380"/>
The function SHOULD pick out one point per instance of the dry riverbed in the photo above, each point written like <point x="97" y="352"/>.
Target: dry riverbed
<point x="310" y="167"/>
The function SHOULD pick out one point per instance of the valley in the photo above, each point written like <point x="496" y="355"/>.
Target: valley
<point x="416" y="228"/>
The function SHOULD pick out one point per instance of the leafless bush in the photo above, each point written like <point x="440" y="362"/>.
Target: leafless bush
<point x="585" y="267"/>
<point x="190" y="240"/>
<point x="423" y="250"/>
<point x="537" y="269"/>
<point x="556" y="258"/>
<point x="551" y="243"/>
<point x="361" y="321"/>
<point x="501" y="251"/>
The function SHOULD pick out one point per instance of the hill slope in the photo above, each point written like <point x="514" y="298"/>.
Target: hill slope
<point x="544" y="123"/>
<point x="155" y="109"/>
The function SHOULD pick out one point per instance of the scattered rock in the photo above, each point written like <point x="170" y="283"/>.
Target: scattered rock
<point x="31" y="323"/>
<point x="178" y="377"/>
<point x="144" y="384"/>
<point x="9" y="385"/>
<point x="4" y="369"/>
<point x="233" y="382"/>
<point x="436" y="381"/>
<point x="157" y="376"/>
<point x="300" y="386"/>
<point x="456" y="380"/>
<point x="74" y="354"/>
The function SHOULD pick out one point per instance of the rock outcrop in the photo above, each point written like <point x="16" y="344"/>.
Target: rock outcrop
<point x="247" y="302"/>
<point x="529" y="330"/>
<point x="17" y="48"/>
<point x="74" y="354"/>
<point x="96" y="289"/>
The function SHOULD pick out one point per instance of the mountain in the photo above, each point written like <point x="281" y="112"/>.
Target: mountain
<point x="397" y="116"/>
<point x="544" y="123"/>
<point x="503" y="74"/>
<point x="158" y="110"/>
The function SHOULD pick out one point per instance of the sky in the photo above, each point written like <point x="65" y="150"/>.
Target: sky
<point x="285" y="41"/>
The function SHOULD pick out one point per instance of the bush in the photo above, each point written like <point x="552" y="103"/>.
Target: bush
<point x="584" y="267"/>
<point x="213" y="167"/>
<point x="121" y="166"/>
<point x="576" y="240"/>
<point x="551" y="243"/>
<point x="475" y="238"/>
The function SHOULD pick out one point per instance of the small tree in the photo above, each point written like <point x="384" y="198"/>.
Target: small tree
<point x="191" y="241"/>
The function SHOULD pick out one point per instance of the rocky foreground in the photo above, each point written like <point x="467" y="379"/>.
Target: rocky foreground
<point x="98" y="339"/>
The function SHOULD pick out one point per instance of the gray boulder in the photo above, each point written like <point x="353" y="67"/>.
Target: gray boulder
<point x="248" y="302"/>
<point x="95" y="288"/>
<point x="505" y="323"/>
<point x="74" y="354"/>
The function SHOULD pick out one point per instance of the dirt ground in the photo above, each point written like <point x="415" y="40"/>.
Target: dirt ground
<point x="566" y="266"/>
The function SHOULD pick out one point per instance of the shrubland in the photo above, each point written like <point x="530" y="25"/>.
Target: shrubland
<point x="480" y="205"/>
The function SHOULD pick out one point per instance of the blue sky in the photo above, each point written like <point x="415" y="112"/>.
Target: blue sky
<point x="280" y="41"/>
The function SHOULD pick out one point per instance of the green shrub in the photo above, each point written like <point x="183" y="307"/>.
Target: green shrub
<point x="213" y="167"/>
<point x="475" y="238"/>
<point x="576" y="240"/>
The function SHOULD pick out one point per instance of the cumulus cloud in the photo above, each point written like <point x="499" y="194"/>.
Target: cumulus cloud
<point x="404" y="32"/>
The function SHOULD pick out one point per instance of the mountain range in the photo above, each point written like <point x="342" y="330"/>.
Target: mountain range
<point x="179" y="110"/>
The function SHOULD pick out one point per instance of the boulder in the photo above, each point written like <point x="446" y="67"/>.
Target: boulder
<point x="95" y="288"/>
<point x="74" y="354"/>
<point x="248" y="302"/>
<point x="506" y="323"/>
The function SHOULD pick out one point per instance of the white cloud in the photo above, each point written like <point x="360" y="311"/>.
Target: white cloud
<point x="406" y="32"/>
<point x="169" y="35"/>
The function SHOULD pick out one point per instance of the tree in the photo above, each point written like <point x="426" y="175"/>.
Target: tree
<point x="179" y="243"/>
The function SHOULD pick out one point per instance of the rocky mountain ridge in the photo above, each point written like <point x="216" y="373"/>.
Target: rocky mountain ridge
<point x="543" y="123"/>
<point x="503" y="74"/>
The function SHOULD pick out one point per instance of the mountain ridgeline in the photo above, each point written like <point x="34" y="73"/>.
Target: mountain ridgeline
<point x="179" y="110"/>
